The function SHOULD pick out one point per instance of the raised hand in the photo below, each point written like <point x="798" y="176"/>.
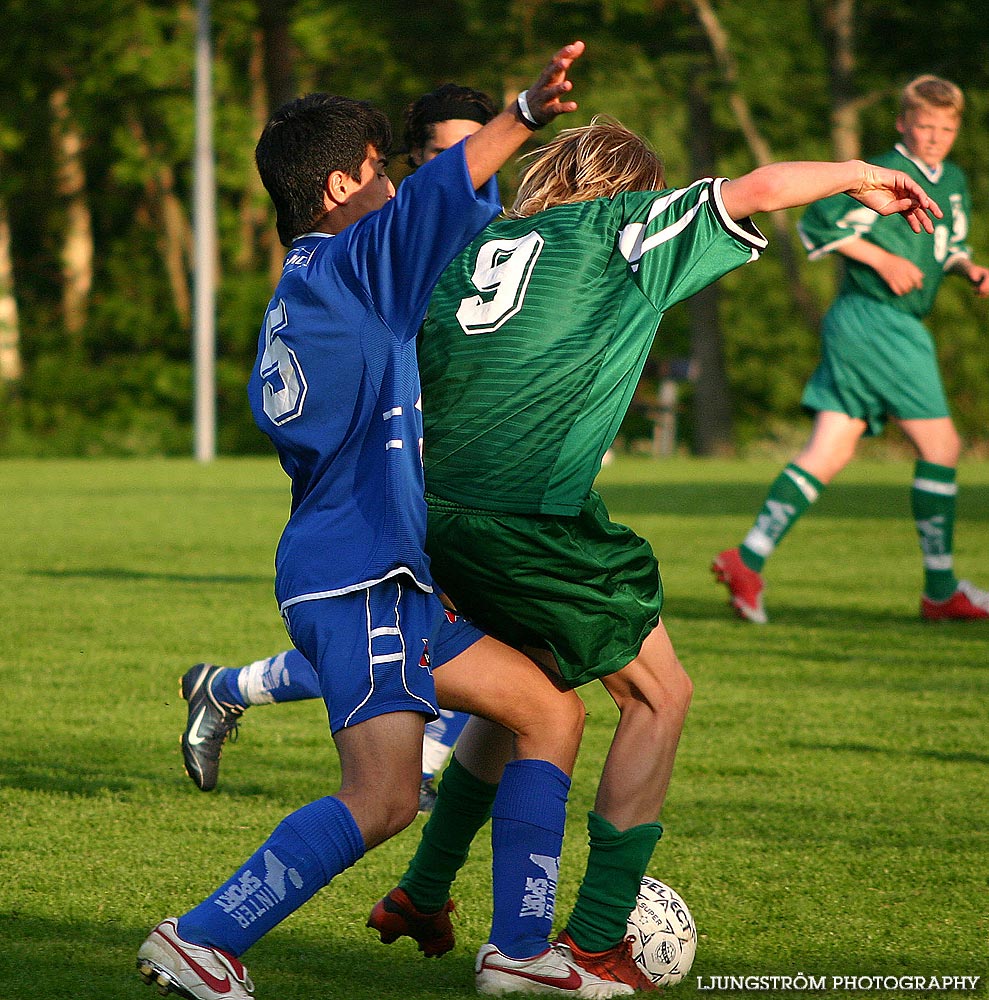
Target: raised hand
<point x="541" y="103"/>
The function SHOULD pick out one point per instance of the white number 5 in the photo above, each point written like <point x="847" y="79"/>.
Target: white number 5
<point x="284" y="385"/>
<point x="503" y="267"/>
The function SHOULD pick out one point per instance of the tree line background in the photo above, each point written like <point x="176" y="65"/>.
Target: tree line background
<point x="96" y="151"/>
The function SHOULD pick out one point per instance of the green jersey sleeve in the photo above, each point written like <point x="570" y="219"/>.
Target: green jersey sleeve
<point x="674" y="242"/>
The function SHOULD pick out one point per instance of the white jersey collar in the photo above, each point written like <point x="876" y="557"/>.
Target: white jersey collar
<point x="933" y="174"/>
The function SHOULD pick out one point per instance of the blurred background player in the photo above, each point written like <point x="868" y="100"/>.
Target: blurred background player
<point x="534" y="342"/>
<point x="878" y="360"/>
<point x="217" y="696"/>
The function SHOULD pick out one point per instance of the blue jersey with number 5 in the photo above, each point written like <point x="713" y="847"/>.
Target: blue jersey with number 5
<point x="336" y="383"/>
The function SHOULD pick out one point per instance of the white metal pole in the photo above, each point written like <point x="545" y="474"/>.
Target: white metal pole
<point x="204" y="227"/>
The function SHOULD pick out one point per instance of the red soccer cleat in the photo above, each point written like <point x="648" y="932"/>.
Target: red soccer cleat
<point x="616" y="964"/>
<point x="967" y="603"/>
<point x="744" y="585"/>
<point x="394" y="916"/>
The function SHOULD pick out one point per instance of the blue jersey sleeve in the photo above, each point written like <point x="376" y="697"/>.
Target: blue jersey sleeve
<point x="399" y="252"/>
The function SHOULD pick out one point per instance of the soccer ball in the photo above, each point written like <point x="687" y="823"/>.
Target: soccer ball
<point x="664" y="938"/>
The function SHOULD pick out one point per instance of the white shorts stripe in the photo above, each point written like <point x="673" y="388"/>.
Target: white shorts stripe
<point x="388" y="658"/>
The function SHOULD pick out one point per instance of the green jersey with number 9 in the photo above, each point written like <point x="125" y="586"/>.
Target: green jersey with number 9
<point x="537" y="334"/>
<point x="828" y="223"/>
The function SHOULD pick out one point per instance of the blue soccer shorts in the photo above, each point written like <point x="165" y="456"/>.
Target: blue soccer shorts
<point x="374" y="649"/>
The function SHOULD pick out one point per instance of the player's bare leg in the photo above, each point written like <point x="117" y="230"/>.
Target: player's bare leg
<point x="936" y="440"/>
<point x="653" y="695"/>
<point x="484" y="748"/>
<point x="380" y="765"/>
<point x="831" y="445"/>
<point x="547" y="719"/>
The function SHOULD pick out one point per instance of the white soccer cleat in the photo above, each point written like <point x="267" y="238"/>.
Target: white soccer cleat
<point x="190" y="970"/>
<point x="554" y="972"/>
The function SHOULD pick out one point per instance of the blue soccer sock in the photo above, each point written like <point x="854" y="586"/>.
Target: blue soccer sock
<point x="287" y="676"/>
<point x="527" y="820"/>
<point x="305" y="851"/>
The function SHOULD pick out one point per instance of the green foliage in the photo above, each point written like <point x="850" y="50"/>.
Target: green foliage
<point x="827" y="814"/>
<point x="128" y="69"/>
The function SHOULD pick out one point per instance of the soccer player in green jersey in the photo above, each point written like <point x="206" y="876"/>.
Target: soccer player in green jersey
<point x="878" y="361"/>
<point x="535" y="339"/>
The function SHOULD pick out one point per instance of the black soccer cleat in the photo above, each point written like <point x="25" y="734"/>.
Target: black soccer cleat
<point x="427" y="796"/>
<point x="209" y="724"/>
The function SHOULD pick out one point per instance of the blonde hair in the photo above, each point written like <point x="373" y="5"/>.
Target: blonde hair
<point x="933" y="92"/>
<point x="598" y="160"/>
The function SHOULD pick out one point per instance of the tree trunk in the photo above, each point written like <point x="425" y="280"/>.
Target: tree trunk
<point x="835" y="20"/>
<point x="77" y="243"/>
<point x="761" y="153"/>
<point x="279" y="86"/>
<point x="274" y="19"/>
<point x="11" y="367"/>
<point x="255" y="222"/>
<point x="712" y="419"/>
<point x="168" y="216"/>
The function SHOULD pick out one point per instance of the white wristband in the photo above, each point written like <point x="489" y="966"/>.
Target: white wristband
<point x="527" y="118"/>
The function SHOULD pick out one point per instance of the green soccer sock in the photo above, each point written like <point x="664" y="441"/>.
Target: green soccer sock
<point x="615" y="866"/>
<point x="463" y="805"/>
<point x="932" y="501"/>
<point x="792" y="492"/>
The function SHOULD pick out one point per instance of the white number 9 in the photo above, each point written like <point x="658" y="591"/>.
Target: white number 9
<point x="503" y="267"/>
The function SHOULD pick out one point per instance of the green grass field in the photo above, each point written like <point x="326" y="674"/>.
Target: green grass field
<point x="829" y="814"/>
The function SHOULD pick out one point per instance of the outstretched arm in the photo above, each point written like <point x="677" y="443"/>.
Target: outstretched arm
<point x="489" y="148"/>
<point x="788" y="185"/>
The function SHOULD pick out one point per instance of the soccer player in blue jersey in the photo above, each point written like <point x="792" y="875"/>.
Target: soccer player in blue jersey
<point x="878" y="362"/>
<point x="336" y="387"/>
<point x="217" y="696"/>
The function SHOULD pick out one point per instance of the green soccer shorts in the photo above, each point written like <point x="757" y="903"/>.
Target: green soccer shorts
<point x="583" y="587"/>
<point x="876" y="363"/>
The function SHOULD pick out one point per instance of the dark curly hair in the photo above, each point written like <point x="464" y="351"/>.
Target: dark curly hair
<point x="306" y="140"/>
<point x="443" y="104"/>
